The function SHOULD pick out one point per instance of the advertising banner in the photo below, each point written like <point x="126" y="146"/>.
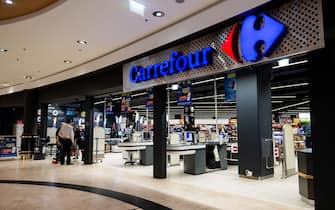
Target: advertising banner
<point x="8" y="146"/>
<point x="230" y="87"/>
<point x="150" y="100"/>
<point x="184" y="97"/>
<point x="125" y="104"/>
<point x="109" y="105"/>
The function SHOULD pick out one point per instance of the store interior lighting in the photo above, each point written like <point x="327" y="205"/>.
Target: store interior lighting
<point x="289" y="86"/>
<point x="136" y="7"/>
<point x="138" y="94"/>
<point x="291" y="105"/>
<point x="9" y="2"/>
<point x="284" y="97"/>
<point x="285" y="64"/>
<point x="174" y="87"/>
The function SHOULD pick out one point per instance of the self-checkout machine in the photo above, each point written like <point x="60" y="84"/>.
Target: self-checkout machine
<point x="195" y="163"/>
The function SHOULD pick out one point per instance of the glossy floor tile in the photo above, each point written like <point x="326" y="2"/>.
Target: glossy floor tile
<point x="222" y="189"/>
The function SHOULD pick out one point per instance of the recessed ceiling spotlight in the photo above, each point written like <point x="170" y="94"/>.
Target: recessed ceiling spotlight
<point x="158" y="14"/>
<point x="3" y="50"/>
<point x="81" y="41"/>
<point x="28" y="77"/>
<point x="67" y="61"/>
<point x="9" y="1"/>
<point x="180" y="1"/>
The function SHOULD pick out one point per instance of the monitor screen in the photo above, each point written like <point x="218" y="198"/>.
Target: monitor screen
<point x="146" y="135"/>
<point x="188" y="136"/>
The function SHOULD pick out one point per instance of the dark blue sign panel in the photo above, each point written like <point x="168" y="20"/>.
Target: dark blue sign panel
<point x="8" y="147"/>
<point x="108" y="105"/>
<point x="184" y="97"/>
<point x="230" y="87"/>
<point x="150" y="100"/>
<point x="125" y="104"/>
<point x="178" y="62"/>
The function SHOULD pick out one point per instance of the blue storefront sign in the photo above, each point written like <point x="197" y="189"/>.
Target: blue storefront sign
<point x="230" y="87"/>
<point x="178" y="62"/>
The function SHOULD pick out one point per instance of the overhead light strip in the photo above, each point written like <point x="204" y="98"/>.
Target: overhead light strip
<point x="138" y="94"/>
<point x="290" y="64"/>
<point x="288" y="86"/>
<point x="283" y="96"/>
<point x="291" y="105"/>
<point x="99" y="102"/>
<point x="202" y="82"/>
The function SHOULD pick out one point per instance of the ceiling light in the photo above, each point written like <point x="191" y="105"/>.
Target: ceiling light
<point x="67" y="61"/>
<point x="3" y="50"/>
<point x="138" y="94"/>
<point x="9" y="1"/>
<point x="99" y="102"/>
<point x="289" y="106"/>
<point x="28" y="77"/>
<point x="283" y="96"/>
<point x="174" y="87"/>
<point x="292" y="85"/>
<point x="290" y="64"/>
<point x="81" y="41"/>
<point x="180" y="1"/>
<point x="116" y="99"/>
<point x="136" y="7"/>
<point x="283" y="62"/>
<point x="158" y="14"/>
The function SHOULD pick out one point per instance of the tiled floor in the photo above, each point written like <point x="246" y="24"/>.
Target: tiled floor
<point x="219" y="189"/>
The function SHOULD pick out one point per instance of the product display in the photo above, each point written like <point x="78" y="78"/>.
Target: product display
<point x="232" y="145"/>
<point x="8" y="147"/>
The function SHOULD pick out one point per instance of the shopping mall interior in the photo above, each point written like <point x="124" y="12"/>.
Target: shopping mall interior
<point x="186" y="107"/>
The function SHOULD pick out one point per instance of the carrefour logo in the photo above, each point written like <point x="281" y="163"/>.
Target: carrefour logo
<point x="253" y="39"/>
<point x="254" y="32"/>
<point x="178" y="62"/>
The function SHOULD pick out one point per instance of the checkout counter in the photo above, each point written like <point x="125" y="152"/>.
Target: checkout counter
<point x="137" y="148"/>
<point x="198" y="157"/>
<point x="112" y="144"/>
<point x="306" y="175"/>
<point x="194" y="156"/>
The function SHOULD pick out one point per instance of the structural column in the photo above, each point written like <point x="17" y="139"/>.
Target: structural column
<point x="29" y="120"/>
<point x="88" y="146"/>
<point x="322" y="112"/>
<point x="160" y="97"/>
<point x="254" y="122"/>
<point x="44" y="120"/>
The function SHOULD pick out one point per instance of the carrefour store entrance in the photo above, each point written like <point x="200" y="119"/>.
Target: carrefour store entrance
<point x="227" y="117"/>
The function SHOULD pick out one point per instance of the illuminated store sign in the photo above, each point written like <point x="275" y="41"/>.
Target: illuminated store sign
<point x="260" y="37"/>
<point x="255" y="32"/>
<point x="177" y="63"/>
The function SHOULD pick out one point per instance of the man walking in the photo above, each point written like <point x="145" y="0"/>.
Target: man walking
<point x="66" y="136"/>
